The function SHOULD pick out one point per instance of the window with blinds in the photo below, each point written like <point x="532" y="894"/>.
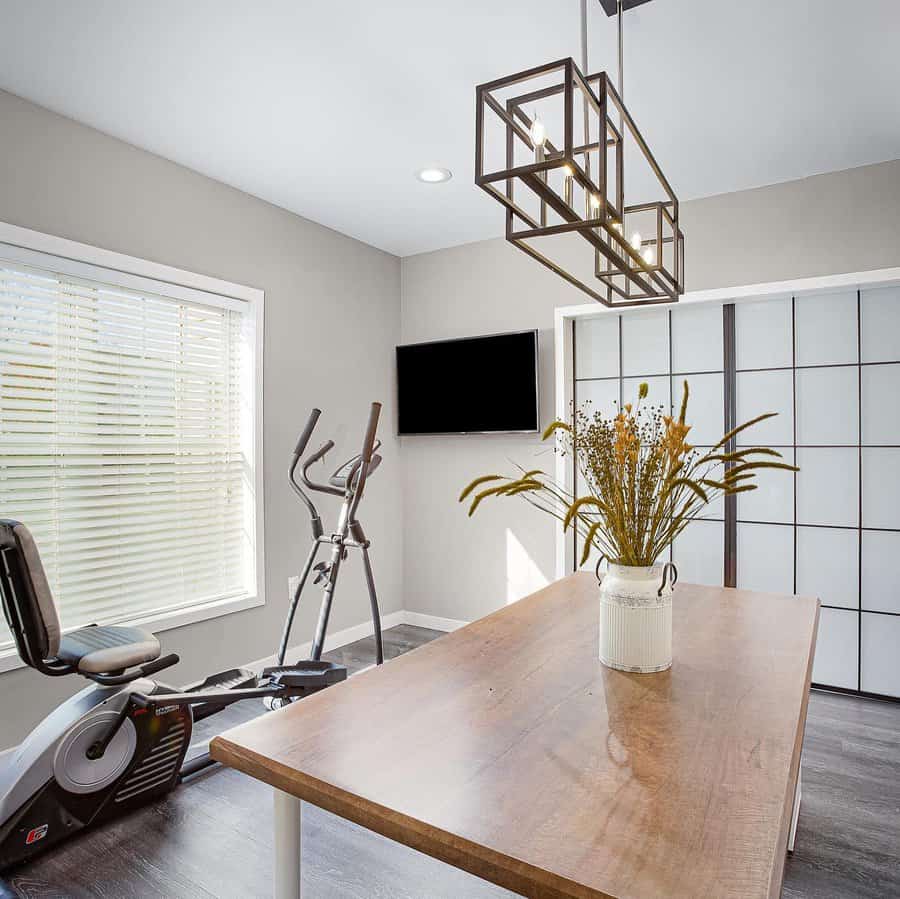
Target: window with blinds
<point x="125" y="419"/>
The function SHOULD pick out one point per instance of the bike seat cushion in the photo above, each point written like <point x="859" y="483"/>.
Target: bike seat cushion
<point x="102" y="650"/>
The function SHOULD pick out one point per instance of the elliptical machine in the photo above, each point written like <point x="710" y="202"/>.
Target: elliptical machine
<point x="122" y="742"/>
<point x="348" y="482"/>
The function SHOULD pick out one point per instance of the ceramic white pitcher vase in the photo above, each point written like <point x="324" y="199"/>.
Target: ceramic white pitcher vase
<point x="636" y="617"/>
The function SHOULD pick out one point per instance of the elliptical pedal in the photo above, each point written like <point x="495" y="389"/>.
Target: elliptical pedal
<point x="307" y="673"/>
<point x="232" y="679"/>
<point x="305" y="677"/>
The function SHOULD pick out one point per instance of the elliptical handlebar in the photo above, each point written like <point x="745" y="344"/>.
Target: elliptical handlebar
<point x="313" y="512"/>
<point x="371" y="431"/>
<point x="306" y="433"/>
<point x="299" y="449"/>
<point x="304" y="471"/>
<point x="368" y="448"/>
<point x="320" y="453"/>
<point x="356" y="468"/>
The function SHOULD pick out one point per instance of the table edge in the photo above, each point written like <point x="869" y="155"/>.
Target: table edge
<point x="482" y="861"/>
<point x="776" y="879"/>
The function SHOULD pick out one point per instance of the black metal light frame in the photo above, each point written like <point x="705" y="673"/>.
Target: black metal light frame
<point x="623" y="276"/>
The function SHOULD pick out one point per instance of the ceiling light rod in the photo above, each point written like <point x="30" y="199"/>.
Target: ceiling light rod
<point x="586" y="104"/>
<point x="611" y="7"/>
<point x="586" y="69"/>
<point x="621" y="81"/>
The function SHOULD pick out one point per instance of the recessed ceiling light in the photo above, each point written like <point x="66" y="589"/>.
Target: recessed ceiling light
<point x="433" y="175"/>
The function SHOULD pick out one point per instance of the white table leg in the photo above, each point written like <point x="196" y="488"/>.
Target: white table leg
<point x="287" y="845"/>
<point x="795" y="814"/>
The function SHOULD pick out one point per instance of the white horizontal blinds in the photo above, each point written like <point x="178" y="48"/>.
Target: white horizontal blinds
<point x="121" y="443"/>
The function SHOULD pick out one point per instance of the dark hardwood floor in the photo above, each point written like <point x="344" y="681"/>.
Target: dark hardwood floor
<point x="848" y="837"/>
<point x="212" y="836"/>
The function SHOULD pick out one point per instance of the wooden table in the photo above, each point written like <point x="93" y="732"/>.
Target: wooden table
<point x="507" y="750"/>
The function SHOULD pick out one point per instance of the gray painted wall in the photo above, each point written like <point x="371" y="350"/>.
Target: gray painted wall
<point x="65" y="179"/>
<point x="332" y="320"/>
<point x="842" y="222"/>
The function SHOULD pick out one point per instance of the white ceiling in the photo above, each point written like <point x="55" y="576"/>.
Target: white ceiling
<point x="328" y="109"/>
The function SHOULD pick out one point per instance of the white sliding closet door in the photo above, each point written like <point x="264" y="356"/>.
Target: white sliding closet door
<point x="615" y="353"/>
<point x="880" y="483"/>
<point x="764" y="383"/>
<point x="829" y="364"/>
<point x="698" y="358"/>
<point x="598" y="384"/>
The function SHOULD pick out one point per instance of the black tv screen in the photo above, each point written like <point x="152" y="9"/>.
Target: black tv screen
<point x="473" y="385"/>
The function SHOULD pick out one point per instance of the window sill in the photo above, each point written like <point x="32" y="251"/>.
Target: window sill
<point x="164" y="621"/>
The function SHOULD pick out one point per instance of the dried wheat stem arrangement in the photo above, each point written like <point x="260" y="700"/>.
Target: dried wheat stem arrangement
<point x="646" y="482"/>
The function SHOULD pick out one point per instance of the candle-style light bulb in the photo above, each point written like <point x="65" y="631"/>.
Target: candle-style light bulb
<point x="568" y="182"/>
<point x="636" y="240"/>
<point x="538" y="134"/>
<point x="594" y="206"/>
<point x="649" y="255"/>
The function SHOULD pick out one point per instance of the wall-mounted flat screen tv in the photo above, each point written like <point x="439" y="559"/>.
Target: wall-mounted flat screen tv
<point x="475" y="385"/>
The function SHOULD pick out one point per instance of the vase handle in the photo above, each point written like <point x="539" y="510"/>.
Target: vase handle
<point x="600" y="561"/>
<point x="668" y="568"/>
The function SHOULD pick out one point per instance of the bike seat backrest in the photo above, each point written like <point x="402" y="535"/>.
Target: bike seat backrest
<point x="28" y="604"/>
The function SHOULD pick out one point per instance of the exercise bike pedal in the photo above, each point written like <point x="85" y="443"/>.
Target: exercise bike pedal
<point x="232" y="679"/>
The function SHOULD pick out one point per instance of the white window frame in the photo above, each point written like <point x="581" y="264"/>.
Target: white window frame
<point x="565" y="316"/>
<point x="176" y="283"/>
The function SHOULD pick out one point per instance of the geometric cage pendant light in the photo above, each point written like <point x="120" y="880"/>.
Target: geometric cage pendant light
<point x="583" y="194"/>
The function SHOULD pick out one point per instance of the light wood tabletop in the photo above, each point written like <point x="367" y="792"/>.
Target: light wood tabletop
<point x="508" y="750"/>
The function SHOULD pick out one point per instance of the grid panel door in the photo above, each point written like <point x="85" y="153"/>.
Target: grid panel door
<point x="825" y="361"/>
<point x="764" y="382"/>
<point x="799" y="357"/>
<point x="697" y="357"/>
<point x="879" y="316"/>
<point x="646" y="358"/>
<point x="597" y="387"/>
<point x="829" y="364"/>
<point x="664" y="348"/>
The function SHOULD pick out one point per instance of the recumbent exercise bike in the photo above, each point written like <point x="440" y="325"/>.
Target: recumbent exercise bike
<point x="122" y="742"/>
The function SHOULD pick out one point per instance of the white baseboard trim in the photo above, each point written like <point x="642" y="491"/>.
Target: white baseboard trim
<point x="332" y="641"/>
<point x="358" y="631"/>
<point x="419" y="619"/>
